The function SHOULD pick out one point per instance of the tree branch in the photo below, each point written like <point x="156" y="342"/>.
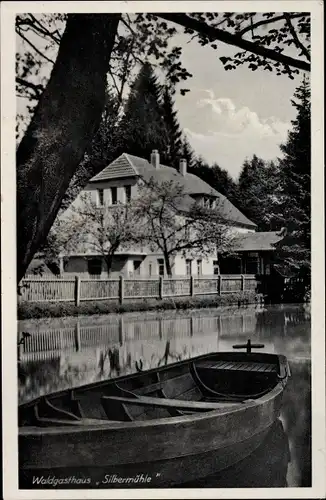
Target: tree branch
<point x="295" y="36"/>
<point x="265" y="21"/>
<point x="33" y="46"/>
<point x="38" y="89"/>
<point x="42" y="29"/>
<point x="231" y="39"/>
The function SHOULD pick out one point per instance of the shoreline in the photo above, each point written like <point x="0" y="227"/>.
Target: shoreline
<point x="38" y="310"/>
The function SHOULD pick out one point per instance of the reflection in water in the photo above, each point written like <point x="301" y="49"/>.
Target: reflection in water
<point x="71" y="352"/>
<point x="265" y="467"/>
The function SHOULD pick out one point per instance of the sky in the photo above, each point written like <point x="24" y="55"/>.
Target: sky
<point x="228" y="116"/>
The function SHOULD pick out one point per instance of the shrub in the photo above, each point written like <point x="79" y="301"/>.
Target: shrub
<point x="28" y="310"/>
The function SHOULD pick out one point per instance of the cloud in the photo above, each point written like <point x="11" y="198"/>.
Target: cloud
<point x="222" y="132"/>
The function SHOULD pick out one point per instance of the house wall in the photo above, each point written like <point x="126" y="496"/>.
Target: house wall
<point x="79" y="266"/>
<point x="93" y="188"/>
<point x="76" y="265"/>
<point x="124" y="264"/>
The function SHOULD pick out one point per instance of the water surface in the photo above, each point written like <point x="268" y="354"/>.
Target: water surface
<point x="64" y="353"/>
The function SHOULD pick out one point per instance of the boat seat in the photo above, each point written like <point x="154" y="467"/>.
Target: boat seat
<point x="246" y="366"/>
<point x="178" y="404"/>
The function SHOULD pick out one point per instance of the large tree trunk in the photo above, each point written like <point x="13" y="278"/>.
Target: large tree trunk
<point x="65" y="121"/>
<point x="167" y="263"/>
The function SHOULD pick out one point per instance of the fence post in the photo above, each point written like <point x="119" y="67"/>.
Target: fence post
<point x="242" y="282"/>
<point x="77" y="290"/>
<point x="161" y="287"/>
<point x="192" y="287"/>
<point x="220" y="285"/>
<point x="121" y="290"/>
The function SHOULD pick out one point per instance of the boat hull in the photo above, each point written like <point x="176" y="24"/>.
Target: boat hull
<point x="178" y="451"/>
<point x="154" y="474"/>
<point x="162" y="451"/>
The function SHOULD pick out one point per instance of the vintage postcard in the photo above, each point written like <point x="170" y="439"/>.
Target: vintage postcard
<point x="162" y="249"/>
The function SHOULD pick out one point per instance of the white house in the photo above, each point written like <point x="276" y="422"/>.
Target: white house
<point x="118" y="182"/>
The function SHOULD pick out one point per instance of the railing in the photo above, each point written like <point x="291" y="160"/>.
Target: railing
<point x="40" y="289"/>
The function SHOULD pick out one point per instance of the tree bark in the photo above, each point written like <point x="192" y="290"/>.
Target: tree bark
<point x="65" y="121"/>
<point x="167" y="263"/>
<point x="108" y="262"/>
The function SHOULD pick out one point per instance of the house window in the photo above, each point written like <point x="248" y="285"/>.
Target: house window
<point x="252" y="265"/>
<point x="137" y="264"/>
<point x="150" y="269"/>
<point x="114" y="195"/>
<point x="199" y="267"/>
<point x="207" y="202"/>
<point x="212" y="203"/>
<point x="216" y="267"/>
<point x="187" y="231"/>
<point x="231" y="265"/>
<point x="127" y="193"/>
<point x="188" y="267"/>
<point x="160" y="267"/>
<point x="100" y="197"/>
<point x="94" y="267"/>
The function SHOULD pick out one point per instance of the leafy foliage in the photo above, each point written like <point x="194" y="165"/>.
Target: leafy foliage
<point x="174" y="223"/>
<point x="147" y="36"/>
<point x="266" y="50"/>
<point x="88" y="228"/>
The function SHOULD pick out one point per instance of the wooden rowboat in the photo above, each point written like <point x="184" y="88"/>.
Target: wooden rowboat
<point x="170" y="424"/>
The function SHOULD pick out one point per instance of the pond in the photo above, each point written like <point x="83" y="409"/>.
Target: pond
<point x="68" y="352"/>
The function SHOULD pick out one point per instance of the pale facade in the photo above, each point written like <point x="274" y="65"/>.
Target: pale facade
<point x="118" y="183"/>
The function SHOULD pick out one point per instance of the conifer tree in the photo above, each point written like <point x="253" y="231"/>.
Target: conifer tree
<point x="291" y="208"/>
<point x="173" y="151"/>
<point x="257" y="183"/>
<point x="188" y="154"/>
<point x="142" y="126"/>
<point x="102" y="150"/>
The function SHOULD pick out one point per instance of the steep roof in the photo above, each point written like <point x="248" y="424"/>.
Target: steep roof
<point x="253" y="242"/>
<point x="128" y="165"/>
<point x="38" y="266"/>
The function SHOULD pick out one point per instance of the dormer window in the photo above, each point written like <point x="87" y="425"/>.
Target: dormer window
<point x="206" y="202"/>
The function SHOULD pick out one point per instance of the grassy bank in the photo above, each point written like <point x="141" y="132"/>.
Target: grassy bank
<point x="28" y="310"/>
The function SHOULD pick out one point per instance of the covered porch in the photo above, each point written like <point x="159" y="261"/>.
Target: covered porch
<point x="252" y="254"/>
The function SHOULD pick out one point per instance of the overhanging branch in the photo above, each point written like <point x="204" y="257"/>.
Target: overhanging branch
<point x="37" y="89"/>
<point x="295" y="36"/>
<point x="232" y="39"/>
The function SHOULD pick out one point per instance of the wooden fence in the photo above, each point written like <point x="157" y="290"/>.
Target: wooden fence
<point x="39" y="289"/>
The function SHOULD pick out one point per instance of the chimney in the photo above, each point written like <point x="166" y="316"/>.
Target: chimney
<point x="155" y="159"/>
<point x="183" y="166"/>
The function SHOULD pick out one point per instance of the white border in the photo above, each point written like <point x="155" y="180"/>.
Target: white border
<point x="8" y="261"/>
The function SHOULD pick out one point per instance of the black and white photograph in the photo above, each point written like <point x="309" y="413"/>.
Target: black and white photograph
<point x="162" y="249"/>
